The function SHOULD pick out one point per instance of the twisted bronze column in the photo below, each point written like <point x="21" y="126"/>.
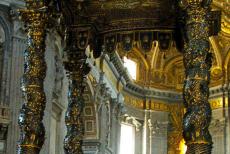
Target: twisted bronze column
<point x="32" y="131"/>
<point x="77" y="69"/>
<point x="197" y="62"/>
<point x="77" y="34"/>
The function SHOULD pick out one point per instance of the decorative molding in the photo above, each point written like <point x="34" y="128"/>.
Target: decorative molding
<point x="143" y="104"/>
<point x="126" y="119"/>
<point x="91" y="146"/>
<point x="217" y="103"/>
<point x="116" y="63"/>
<point x="135" y="95"/>
<point x="5" y="115"/>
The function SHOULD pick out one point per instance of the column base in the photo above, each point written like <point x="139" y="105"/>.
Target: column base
<point x="199" y="149"/>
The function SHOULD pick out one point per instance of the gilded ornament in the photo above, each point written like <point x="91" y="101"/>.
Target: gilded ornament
<point x="77" y="36"/>
<point x="197" y="62"/>
<point x="32" y="131"/>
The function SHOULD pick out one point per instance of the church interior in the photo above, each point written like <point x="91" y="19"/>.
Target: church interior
<point x="114" y="76"/>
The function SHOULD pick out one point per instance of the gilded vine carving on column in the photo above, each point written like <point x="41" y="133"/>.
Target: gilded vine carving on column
<point x="77" y="37"/>
<point x="32" y="131"/>
<point x="197" y="62"/>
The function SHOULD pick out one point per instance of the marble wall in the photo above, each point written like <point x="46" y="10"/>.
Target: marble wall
<point x="219" y="130"/>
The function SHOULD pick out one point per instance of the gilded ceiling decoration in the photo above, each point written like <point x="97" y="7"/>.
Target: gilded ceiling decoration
<point x="146" y="32"/>
<point x="224" y="6"/>
<point x="128" y="4"/>
<point x="128" y="15"/>
<point x="163" y="68"/>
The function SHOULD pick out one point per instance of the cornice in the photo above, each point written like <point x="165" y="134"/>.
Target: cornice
<point x="142" y="98"/>
<point x="142" y="92"/>
<point x="125" y="14"/>
<point x="96" y="72"/>
<point x="5" y="2"/>
<point x="120" y="73"/>
<point x="13" y="3"/>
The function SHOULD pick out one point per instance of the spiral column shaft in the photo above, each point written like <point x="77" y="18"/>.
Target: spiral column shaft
<point x="74" y="123"/>
<point x="32" y="131"/>
<point x="77" y="37"/>
<point x="197" y="62"/>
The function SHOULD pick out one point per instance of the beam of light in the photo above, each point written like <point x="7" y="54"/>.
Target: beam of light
<point x="183" y="147"/>
<point x="127" y="139"/>
<point x="131" y="67"/>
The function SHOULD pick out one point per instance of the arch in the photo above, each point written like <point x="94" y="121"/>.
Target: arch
<point x="5" y="25"/>
<point x="155" y="55"/>
<point x="5" y="62"/>
<point x="216" y="51"/>
<point x="138" y="54"/>
<point x="171" y="61"/>
<point x="226" y="60"/>
<point x="2" y="42"/>
<point x="2" y="36"/>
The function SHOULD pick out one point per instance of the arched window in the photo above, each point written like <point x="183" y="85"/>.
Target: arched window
<point x="131" y="67"/>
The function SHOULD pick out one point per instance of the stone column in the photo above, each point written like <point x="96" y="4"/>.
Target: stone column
<point x="32" y="131"/>
<point x="197" y="62"/>
<point x="77" y="40"/>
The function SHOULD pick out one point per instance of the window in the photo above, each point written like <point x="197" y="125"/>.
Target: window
<point x="131" y="67"/>
<point x="127" y="139"/>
